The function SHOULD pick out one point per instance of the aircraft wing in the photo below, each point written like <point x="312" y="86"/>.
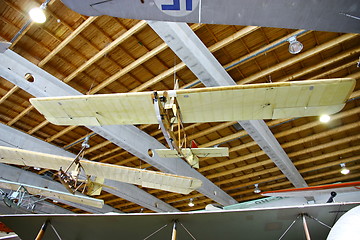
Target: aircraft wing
<point x="145" y="178"/>
<point x="294" y="14"/>
<point x="266" y="223"/>
<point x="215" y="104"/>
<point x="315" y="191"/>
<point x="46" y="192"/>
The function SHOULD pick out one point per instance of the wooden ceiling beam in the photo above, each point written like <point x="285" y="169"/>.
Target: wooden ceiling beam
<point x="215" y="47"/>
<point x="313" y="124"/>
<point x="258" y="164"/>
<point x="26" y="18"/>
<point x="20" y="115"/>
<point x="132" y="66"/>
<point x="139" y="26"/>
<point x="38" y="127"/>
<point x="270" y="186"/>
<point x="334" y="70"/>
<point x="337" y="58"/>
<point x="298" y="58"/>
<point x="67" y="40"/>
<point x="284" y="185"/>
<point x="107" y="153"/>
<point x="8" y="94"/>
<point x="320" y="147"/>
<point x="285" y="145"/>
<point x="347" y="127"/>
<point x="232" y="38"/>
<point x="323" y="156"/>
<point x="256" y="175"/>
<point x="59" y="134"/>
<point x="97" y="146"/>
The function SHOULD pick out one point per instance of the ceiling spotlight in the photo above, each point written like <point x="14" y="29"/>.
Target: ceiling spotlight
<point x="257" y="189"/>
<point x="324" y="118"/>
<point x="344" y="170"/>
<point x="37" y="15"/>
<point x="294" y="45"/>
<point x="191" y="204"/>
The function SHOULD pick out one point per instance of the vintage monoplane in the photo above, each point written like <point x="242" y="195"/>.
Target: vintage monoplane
<point x="177" y="107"/>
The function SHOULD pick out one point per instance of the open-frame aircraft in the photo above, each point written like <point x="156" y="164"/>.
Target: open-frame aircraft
<point x="71" y="176"/>
<point x="27" y="196"/>
<point x="215" y="104"/>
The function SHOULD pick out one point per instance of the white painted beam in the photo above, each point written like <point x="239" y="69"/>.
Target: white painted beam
<point x="189" y="48"/>
<point x="14" y="67"/>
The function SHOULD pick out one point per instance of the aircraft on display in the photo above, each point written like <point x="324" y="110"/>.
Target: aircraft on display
<point x="336" y="15"/>
<point x="273" y="217"/>
<point x="215" y="104"/>
<point x="330" y="190"/>
<point x="71" y="176"/>
<point x="27" y="196"/>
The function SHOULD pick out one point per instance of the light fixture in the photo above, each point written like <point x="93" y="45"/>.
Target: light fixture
<point x="191" y="204"/>
<point x="294" y="45"/>
<point x="37" y="15"/>
<point x="324" y="118"/>
<point x="344" y="170"/>
<point x="257" y="189"/>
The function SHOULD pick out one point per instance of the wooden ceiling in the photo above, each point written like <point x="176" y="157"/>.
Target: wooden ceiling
<point x="103" y="54"/>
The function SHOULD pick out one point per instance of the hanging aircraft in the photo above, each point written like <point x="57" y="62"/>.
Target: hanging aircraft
<point x="177" y="107"/>
<point x="27" y="196"/>
<point x="329" y="190"/>
<point x="71" y="176"/>
<point x="336" y="15"/>
<point x="268" y="218"/>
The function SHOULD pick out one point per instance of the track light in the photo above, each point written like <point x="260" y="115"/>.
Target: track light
<point x="294" y="45"/>
<point x="191" y="204"/>
<point x="324" y="118"/>
<point x="344" y="170"/>
<point x="257" y="189"/>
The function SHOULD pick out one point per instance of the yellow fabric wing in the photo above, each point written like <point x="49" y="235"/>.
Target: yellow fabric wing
<point x="230" y="103"/>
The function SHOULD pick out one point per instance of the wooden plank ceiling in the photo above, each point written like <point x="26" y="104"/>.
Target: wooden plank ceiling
<point x="111" y="55"/>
